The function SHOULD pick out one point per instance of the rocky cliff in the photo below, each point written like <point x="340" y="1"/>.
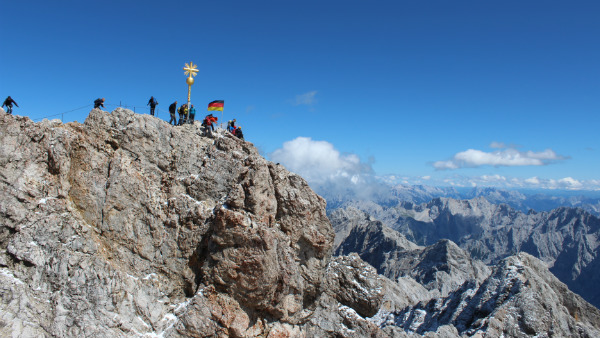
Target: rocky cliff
<point x="565" y="238"/>
<point x="125" y="225"/>
<point x="460" y="296"/>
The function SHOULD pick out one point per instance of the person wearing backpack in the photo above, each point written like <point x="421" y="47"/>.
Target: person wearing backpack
<point x="207" y="125"/>
<point x="231" y="126"/>
<point x="99" y="103"/>
<point x="182" y="114"/>
<point x="8" y="103"/>
<point x="172" y="110"/>
<point x="152" y="103"/>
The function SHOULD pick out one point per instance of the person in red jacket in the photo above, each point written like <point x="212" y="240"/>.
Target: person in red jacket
<point x="207" y="125"/>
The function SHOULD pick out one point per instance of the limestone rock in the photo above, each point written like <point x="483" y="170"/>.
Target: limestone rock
<point x="125" y="225"/>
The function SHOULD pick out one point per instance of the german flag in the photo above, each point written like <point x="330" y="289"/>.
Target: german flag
<point x="216" y="105"/>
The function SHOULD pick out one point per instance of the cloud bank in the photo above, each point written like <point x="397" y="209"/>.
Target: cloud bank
<point x="319" y="161"/>
<point x="508" y="157"/>
<point x="498" y="181"/>
<point x="330" y="173"/>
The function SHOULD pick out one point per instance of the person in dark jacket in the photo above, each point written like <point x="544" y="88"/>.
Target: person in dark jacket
<point x="8" y="103"/>
<point x="152" y="103"/>
<point x="172" y="110"/>
<point x="99" y="103"/>
<point x="238" y="133"/>
<point x="183" y="114"/>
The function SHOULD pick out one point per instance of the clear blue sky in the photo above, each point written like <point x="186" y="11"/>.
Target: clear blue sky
<point x="462" y="91"/>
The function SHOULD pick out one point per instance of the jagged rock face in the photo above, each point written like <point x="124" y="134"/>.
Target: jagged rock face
<point x="565" y="238"/>
<point x="454" y="295"/>
<point x="125" y="225"/>
<point x="442" y="267"/>
<point x="519" y="299"/>
<point x="355" y="283"/>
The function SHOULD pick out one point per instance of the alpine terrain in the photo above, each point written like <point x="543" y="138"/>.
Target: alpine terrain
<point x="126" y="226"/>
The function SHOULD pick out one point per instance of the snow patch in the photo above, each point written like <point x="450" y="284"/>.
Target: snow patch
<point x="8" y="274"/>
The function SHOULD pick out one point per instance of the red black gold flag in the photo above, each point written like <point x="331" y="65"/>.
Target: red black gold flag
<point x="216" y="105"/>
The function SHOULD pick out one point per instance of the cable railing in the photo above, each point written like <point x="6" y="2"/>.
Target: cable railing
<point x="126" y="106"/>
<point x="145" y="109"/>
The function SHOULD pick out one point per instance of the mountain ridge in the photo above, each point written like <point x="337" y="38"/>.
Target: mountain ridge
<point x="127" y="226"/>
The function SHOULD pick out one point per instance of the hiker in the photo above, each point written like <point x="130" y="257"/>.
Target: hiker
<point x="231" y="126"/>
<point x="207" y="125"/>
<point x="239" y="134"/>
<point x="99" y="103"/>
<point x="152" y="103"/>
<point x="191" y="115"/>
<point x="182" y="114"/>
<point x="172" y="109"/>
<point x="8" y="103"/>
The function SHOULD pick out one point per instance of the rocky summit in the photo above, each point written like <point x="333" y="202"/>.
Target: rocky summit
<point x="126" y="226"/>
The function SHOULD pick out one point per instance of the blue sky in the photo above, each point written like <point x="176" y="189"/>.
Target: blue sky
<point x="498" y="93"/>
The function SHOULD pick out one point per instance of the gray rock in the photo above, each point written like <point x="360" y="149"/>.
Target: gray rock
<point x="126" y="226"/>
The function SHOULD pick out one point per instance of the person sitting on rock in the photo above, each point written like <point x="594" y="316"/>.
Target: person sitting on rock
<point x="231" y="126"/>
<point x="99" y="103"/>
<point x="8" y="103"/>
<point x="238" y="133"/>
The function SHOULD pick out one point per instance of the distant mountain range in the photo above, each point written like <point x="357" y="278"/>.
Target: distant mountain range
<point x="449" y="293"/>
<point x="540" y="200"/>
<point x="566" y="239"/>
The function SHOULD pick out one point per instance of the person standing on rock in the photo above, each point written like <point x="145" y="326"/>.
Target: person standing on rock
<point x="172" y="109"/>
<point x="207" y="125"/>
<point x="183" y="114"/>
<point x="152" y="103"/>
<point x="99" y="103"/>
<point x="8" y="103"/>
<point x="191" y="115"/>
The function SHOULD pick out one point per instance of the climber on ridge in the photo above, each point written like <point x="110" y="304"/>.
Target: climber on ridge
<point x="238" y="133"/>
<point x="191" y="115"/>
<point x="152" y="103"/>
<point x="183" y="114"/>
<point x="207" y="125"/>
<point x="172" y="109"/>
<point x="8" y="103"/>
<point x="231" y="126"/>
<point x="99" y="103"/>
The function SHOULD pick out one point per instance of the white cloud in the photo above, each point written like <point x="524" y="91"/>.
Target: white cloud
<point x="505" y="157"/>
<point x="498" y="181"/>
<point x="319" y="161"/>
<point x="306" y="98"/>
<point x="329" y="172"/>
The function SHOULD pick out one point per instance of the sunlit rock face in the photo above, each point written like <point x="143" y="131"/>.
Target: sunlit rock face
<point x="126" y="226"/>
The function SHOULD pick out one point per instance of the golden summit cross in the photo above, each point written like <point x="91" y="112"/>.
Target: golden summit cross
<point x="191" y="70"/>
